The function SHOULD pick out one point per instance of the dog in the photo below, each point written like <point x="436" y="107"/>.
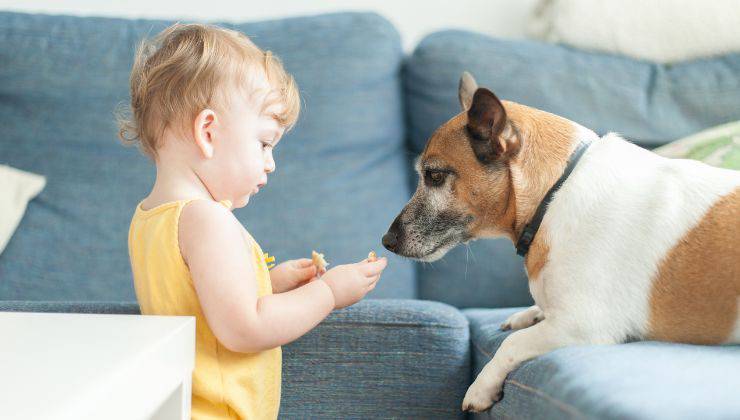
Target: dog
<point x="619" y="243"/>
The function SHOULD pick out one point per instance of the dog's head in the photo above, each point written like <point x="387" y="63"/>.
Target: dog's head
<point x="465" y="186"/>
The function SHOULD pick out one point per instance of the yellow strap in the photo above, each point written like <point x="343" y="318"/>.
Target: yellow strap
<point x="269" y="260"/>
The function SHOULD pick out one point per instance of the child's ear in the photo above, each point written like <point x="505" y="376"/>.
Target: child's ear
<point x="203" y="132"/>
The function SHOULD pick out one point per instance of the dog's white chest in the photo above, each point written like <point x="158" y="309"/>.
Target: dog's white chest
<point x="609" y="227"/>
<point x="537" y="287"/>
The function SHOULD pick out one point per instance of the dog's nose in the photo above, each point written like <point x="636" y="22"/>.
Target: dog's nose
<point x="390" y="240"/>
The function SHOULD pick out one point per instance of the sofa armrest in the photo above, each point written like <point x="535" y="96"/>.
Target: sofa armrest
<point x="376" y="359"/>
<point x="380" y="359"/>
<point x="127" y="308"/>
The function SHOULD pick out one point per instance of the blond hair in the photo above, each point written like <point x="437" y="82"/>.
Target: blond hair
<point x="191" y="67"/>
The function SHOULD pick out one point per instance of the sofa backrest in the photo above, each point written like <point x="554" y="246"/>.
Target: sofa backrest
<point x="647" y="103"/>
<point x="341" y="173"/>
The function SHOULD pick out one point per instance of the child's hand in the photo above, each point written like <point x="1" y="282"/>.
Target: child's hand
<point x="351" y="282"/>
<point x="291" y="274"/>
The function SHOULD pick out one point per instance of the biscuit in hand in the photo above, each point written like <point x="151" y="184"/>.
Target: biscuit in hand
<point x="319" y="261"/>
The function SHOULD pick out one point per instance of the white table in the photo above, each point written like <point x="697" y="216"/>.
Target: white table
<point x="80" y="366"/>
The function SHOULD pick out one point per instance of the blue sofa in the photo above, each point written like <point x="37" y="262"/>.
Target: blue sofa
<point x="343" y="174"/>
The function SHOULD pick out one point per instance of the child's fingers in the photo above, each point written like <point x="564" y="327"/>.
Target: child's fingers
<point x="304" y="262"/>
<point x="308" y="272"/>
<point x="372" y="280"/>
<point x="369" y="269"/>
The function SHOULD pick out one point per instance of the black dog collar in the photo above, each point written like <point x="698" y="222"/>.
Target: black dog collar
<point x="527" y="236"/>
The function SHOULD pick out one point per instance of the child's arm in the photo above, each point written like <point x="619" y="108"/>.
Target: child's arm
<point x="288" y="275"/>
<point x="223" y="274"/>
<point x="215" y="250"/>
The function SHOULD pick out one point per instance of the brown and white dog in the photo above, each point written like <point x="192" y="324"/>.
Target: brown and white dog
<point x="632" y="246"/>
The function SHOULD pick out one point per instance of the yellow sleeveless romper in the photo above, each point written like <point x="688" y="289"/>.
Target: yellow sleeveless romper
<point x="226" y="385"/>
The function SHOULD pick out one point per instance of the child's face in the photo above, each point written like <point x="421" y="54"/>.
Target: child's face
<point x="242" y="154"/>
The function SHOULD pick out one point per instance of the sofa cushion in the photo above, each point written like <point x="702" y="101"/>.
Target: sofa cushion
<point x="376" y="359"/>
<point x="341" y="173"/>
<point x="640" y="380"/>
<point x="486" y="273"/>
<point x="648" y="103"/>
<point x="380" y="359"/>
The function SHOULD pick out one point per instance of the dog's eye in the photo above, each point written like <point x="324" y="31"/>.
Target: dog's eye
<point x="434" y="178"/>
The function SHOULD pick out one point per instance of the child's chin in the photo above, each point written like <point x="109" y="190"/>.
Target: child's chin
<point x="241" y="202"/>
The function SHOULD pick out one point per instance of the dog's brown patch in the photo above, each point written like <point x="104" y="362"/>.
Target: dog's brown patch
<point x="504" y="197"/>
<point x="479" y="191"/>
<point x="548" y="143"/>
<point x="537" y="256"/>
<point x="694" y="298"/>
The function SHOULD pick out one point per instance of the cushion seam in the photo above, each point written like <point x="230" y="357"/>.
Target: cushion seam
<point x="563" y="406"/>
<point x="393" y="324"/>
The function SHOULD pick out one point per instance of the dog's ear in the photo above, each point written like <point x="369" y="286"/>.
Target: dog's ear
<point x="487" y="126"/>
<point x="466" y="89"/>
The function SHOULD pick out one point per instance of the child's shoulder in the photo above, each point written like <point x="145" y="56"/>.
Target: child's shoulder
<point x="205" y="223"/>
<point x="206" y="215"/>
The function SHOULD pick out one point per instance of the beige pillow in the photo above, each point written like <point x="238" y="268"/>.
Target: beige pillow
<point x="17" y="188"/>
<point x="663" y="31"/>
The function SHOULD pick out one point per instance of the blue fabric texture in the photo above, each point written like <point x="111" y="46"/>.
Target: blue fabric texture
<point x="648" y="103"/>
<point x="343" y="175"/>
<point x="81" y="307"/>
<point x="341" y="172"/>
<point x="641" y="380"/>
<point x="485" y="273"/>
<point x="381" y="358"/>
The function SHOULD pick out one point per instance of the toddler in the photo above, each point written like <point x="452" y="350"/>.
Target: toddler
<point x="209" y="106"/>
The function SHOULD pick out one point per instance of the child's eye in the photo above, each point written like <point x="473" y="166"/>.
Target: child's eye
<point x="266" y="145"/>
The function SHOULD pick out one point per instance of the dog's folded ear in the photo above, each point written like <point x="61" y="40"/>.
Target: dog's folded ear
<point x="466" y="90"/>
<point x="486" y="125"/>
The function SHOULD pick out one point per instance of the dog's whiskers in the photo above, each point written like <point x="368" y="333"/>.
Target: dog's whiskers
<point x="467" y="244"/>
<point x="467" y="250"/>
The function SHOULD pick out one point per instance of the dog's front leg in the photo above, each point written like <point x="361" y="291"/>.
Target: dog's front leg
<point x="519" y="347"/>
<point x="524" y="319"/>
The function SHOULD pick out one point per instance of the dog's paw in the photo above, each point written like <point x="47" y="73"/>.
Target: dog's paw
<point x="480" y="398"/>
<point x="524" y="319"/>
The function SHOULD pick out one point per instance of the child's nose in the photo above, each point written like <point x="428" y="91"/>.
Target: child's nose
<point x="270" y="165"/>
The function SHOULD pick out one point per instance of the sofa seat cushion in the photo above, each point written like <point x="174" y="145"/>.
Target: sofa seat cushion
<point x="639" y="380"/>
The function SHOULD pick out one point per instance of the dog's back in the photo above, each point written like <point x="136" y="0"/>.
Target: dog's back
<point x="645" y="246"/>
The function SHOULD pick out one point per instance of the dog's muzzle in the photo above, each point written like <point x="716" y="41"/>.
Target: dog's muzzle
<point x="390" y="239"/>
